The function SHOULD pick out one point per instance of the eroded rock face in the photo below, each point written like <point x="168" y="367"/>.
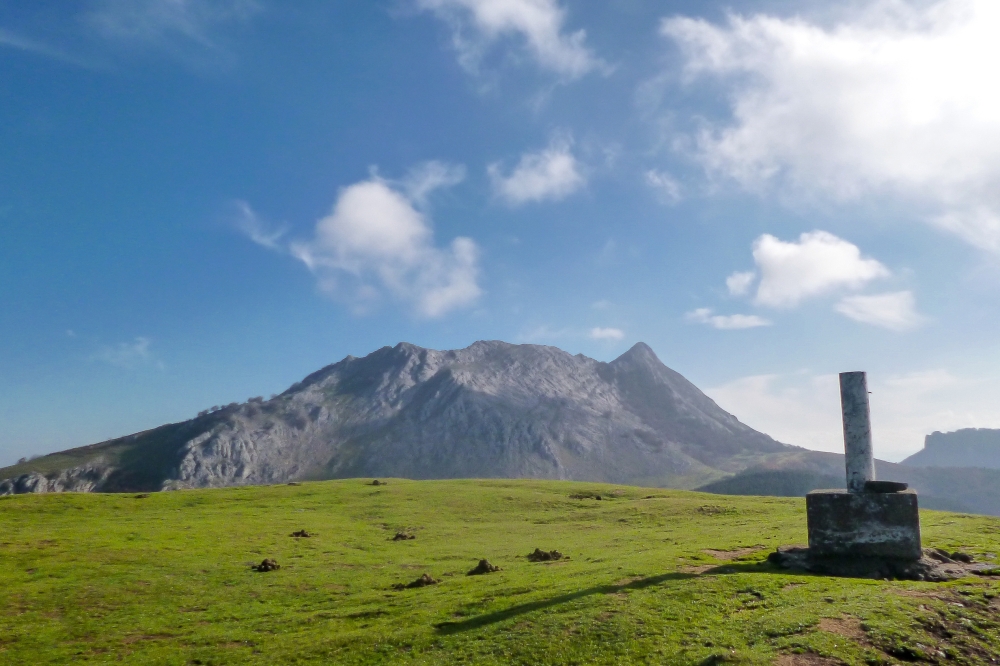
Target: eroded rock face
<point x="490" y="410"/>
<point x="85" y="478"/>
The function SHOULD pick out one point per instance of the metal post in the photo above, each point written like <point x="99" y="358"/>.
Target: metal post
<point x="859" y="459"/>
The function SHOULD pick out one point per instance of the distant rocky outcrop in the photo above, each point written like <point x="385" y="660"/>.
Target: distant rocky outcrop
<point x="969" y="447"/>
<point x="492" y="409"/>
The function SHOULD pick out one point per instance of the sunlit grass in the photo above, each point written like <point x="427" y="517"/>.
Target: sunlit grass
<point x="166" y="579"/>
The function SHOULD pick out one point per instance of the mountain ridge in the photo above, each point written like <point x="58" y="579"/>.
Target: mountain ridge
<point x="492" y="409"/>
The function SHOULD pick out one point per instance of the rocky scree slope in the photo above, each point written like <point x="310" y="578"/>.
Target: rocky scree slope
<point x="490" y="410"/>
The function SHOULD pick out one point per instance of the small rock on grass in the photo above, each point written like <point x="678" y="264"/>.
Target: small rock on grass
<point x="403" y="536"/>
<point x="376" y="482"/>
<point x="267" y="565"/>
<point x="484" y="567"/>
<point x="423" y="581"/>
<point x="545" y="555"/>
<point x="301" y="534"/>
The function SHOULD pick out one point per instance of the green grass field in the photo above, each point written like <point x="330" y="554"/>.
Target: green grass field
<point x="653" y="577"/>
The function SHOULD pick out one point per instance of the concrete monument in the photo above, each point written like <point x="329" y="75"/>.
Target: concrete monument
<point x="869" y="518"/>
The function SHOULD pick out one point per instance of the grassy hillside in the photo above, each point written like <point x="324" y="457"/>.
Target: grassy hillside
<point x="653" y="576"/>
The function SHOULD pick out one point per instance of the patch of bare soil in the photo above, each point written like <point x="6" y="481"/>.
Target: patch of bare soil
<point x="546" y="556"/>
<point x="301" y="534"/>
<point x="696" y="568"/>
<point x="403" y="536"/>
<point x="141" y="496"/>
<point x="732" y="554"/>
<point x="484" y="567"/>
<point x="805" y="659"/>
<point x="267" y="565"/>
<point x="846" y="626"/>
<point x="423" y="581"/>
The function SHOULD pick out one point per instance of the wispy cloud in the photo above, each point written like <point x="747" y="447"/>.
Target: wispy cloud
<point x="377" y="241"/>
<point x="550" y="174"/>
<point x="599" y="333"/>
<point x="668" y="188"/>
<point x="128" y="355"/>
<point x="893" y="101"/>
<point x="21" y="43"/>
<point x="895" y="311"/>
<point x="739" y="283"/>
<point x="259" y="231"/>
<point x="187" y="29"/>
<point x="725" y="322"/>
<point x="538" y="24"/>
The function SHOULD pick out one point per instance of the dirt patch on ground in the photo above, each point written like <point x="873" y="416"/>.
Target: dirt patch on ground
<point x="484" y="567"/>
<point x="696" y="568"/>
<point x="403" y="536"/>
<point x="546" y="556"/>
<point x="423" y="581"/>
<point x="846" y="626"/>
<point x="733" y="554"/>
<point x="805" y="659"/>
<point x="301" y="534"/>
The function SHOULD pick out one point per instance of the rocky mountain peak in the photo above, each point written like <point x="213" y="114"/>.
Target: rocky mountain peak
<point x="492" y="409"/>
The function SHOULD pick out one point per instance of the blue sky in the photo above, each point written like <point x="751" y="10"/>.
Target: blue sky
<point x="202" y="202"/>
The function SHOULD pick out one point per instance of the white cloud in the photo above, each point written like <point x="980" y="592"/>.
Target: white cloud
<point x="804" y="408"/>
<point x="817" y="264"/>
<point x="739" y="284"/>
<point x="606" y="333"/>
<point x="128" y="355"/>
<point x="550" y="174"/>
<point x="539" y="23"/>
<point x="898" y="100"/>
<point x="725" y="322"/>
<point x="895" y="311"/>
<point x="666" y="185"/>
<point x="376" y="241"/>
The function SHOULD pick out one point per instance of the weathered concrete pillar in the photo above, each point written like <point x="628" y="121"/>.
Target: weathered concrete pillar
<point x="858" y="456"/>
<point x="881" y="520"/>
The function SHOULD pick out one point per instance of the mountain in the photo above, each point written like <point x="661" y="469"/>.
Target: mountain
<point x="970" y="447"/>
<point x="492" y="409"/>
<point x="962" y="489"/>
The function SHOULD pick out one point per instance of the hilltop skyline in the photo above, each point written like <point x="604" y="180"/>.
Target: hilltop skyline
<point x="203" y="202"/>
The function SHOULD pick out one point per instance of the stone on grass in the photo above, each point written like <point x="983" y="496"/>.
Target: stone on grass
<point x="484" y="567"/>
<point x="267" y="565"/>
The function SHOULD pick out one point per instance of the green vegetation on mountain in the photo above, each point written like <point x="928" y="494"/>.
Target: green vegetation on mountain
<point x="651" y="576"/>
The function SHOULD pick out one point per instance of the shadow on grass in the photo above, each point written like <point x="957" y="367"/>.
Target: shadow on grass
<point x="514" y="611"/>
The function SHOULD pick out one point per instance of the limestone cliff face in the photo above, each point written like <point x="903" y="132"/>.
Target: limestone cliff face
<point x="490" y="410"/>
<point x="969" y="447"/>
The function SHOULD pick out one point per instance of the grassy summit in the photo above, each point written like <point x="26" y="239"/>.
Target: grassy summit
<point x="653" y="576"/>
